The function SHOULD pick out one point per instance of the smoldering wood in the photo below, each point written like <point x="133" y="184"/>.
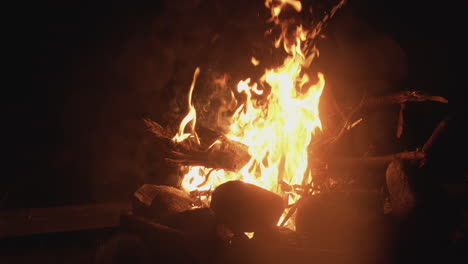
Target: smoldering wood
<point x="245" y="207"/>
<point x="159" y="201"/>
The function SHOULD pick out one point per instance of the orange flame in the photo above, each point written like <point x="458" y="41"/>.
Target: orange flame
<point x="277" y="132"/>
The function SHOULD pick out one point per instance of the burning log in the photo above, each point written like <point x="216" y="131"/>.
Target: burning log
<point x="231" y="156"/>
<point x="245" y="207"/>
<point x="220" y="153"/>
<point x="158" y="201"/>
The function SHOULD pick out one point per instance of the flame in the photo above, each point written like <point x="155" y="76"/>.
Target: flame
<point x="277" y="127"/>
<point x="254" y="61"/>
<point x="191" y="117"/>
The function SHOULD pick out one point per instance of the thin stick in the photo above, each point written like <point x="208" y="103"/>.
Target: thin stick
<point x="401" y="97"/>
<point x="438" y="131"/>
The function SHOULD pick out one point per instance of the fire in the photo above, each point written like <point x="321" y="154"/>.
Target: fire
<point x="277" y="128"/>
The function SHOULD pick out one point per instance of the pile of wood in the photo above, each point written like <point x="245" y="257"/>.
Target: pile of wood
<point x="336" y="225"/>
<point x="232" y="155"/>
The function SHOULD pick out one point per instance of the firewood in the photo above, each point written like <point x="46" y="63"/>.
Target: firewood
<point x="216" y="150"/>
<point x="226" y="160"/>
<point x="370" y="160"/>
<point x="245" y="207"/>
<point x="399" y="98"/>
<point x="436" y="134"/>
<point x="400" y="187"/>
<point x="158" y="201"/>
<point x="403" y="176"/>
<point x="369" y="104"/>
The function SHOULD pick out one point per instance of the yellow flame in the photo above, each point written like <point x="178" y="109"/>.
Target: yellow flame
<point x="278" y="127"/>
<point x="249" y="234"/>
<point x="191" y="117"/>
<point x="254" y="61"/>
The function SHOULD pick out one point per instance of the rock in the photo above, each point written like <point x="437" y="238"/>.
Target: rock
<point x="245" y="207"/>
<point x="159" y="201"/>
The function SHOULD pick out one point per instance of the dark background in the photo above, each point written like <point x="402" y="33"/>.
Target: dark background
<point x="85" y="73"/>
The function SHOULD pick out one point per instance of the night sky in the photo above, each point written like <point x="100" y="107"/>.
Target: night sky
<point x="85" y="74"/>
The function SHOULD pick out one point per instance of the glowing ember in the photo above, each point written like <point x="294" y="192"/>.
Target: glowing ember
<point x="277" y="131"/>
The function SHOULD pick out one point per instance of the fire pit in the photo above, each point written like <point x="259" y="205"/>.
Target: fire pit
<point x="260" y="185"/>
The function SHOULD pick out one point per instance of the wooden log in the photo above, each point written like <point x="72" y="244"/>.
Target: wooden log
<point x="376" y="160"/>
<point x="245" y="207"/>
<point x="29" y="221"/>
<point x="159" y="201"/>
<point x="400" y="187"/>
<point x="399" y="98"/>
<point x="215" y="151"/>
